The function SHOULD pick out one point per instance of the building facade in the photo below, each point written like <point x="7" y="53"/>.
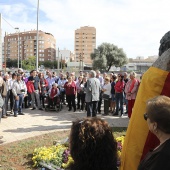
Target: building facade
<point x="63" y="55"/>
<point x="23" y="45"/>
<point x="84" y="44"/>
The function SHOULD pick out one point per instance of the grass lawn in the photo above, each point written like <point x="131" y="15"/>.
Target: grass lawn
<point x="18" y="155"/>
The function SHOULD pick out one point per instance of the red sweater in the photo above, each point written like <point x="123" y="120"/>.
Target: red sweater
<point x="70" y="88"/>
<point x="119" y="86"/>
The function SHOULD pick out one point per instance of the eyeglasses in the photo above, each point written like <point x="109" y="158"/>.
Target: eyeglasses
<point x="145" y="116"/>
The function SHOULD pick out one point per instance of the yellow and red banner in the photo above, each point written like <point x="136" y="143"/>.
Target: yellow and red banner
<point x="139" y="140"/>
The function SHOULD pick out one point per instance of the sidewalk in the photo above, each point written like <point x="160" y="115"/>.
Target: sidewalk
<point x="36" y="122"/>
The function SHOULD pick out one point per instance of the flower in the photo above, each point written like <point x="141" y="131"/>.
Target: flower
<point x="57" y="156"/>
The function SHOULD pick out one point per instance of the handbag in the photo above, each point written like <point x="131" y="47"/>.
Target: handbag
<point x="106" y="96"/>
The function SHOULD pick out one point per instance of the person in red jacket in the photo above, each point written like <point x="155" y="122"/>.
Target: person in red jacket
<point x="119" y="86"/>
<point x="70" y="88"/>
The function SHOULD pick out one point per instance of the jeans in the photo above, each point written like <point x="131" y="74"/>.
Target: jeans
<point x="119" y="102"/>
<point x="18" y="104"/>
<point x="92" y="108"/>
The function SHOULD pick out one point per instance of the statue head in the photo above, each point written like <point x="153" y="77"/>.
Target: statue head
<point x="164" y="43"/>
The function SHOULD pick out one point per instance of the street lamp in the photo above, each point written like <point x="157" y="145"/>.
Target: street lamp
<point x="81" y="61"/>
<point x="37" y="37"/>
<point x="17" y="29"/>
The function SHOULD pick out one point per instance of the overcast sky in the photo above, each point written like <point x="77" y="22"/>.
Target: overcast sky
<point x="134" y="25"/>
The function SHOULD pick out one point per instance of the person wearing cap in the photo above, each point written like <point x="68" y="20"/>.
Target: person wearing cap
<point x="19" y="90"/>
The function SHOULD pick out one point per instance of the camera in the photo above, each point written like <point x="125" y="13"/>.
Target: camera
<point x="22" y="90"/>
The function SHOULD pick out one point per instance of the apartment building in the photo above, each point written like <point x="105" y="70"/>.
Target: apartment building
<point x="84" y="44"/>
<point x="27" y="42"/>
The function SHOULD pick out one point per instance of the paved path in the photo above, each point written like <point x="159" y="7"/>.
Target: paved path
<point x="36" y="122"/>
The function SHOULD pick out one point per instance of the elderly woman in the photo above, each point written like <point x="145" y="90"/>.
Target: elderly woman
<point x="92" y="145"/>
<point x="131" y="90"/>
<point x="107" y="93"/>
<point x="71" y="90"/>
<point x="119" y="87"/>
<point x="158" y="119"/>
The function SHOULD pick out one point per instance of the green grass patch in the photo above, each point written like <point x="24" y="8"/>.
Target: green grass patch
<point x="18" y="155"/>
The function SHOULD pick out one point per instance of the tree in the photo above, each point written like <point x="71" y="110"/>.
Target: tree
<point x="11" y="63"/>
<point x="108" y="55"/>
<point x="29" y="64"/>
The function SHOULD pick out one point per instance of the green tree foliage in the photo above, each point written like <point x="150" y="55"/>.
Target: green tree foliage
<point x="108" y="55"/>
<point x="29" y="64"/>
<point x="11" y="63"/>
<point x="50" y="64"/>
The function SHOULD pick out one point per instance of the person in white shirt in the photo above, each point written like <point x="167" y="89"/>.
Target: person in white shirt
<point x="19" y="90"/>
<point x="51" y="80"/>
<point x="107" y="92"/>
<point x="11" y="96"/>
<point x="98" y="76"/>
<point x="78" y="83"/>
<point x="61" y="83"/>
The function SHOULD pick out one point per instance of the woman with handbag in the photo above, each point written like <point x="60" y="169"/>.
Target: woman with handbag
<point x="106" y="95"/>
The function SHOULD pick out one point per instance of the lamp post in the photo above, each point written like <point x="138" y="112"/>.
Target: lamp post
<point x="58" y="62"/>
<point x="17" y="29"/>
<point x="81" y="61"/>
<point x="37" y="52"/>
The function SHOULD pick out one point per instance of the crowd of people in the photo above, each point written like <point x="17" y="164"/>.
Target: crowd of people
<point x="86" y="91"/>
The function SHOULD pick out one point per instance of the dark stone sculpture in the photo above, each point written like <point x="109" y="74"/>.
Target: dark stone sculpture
<point x="164" y="43"/>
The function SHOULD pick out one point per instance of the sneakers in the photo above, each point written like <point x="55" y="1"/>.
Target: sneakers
<point x="40" y="109"/>
<point x="33" y="108"/>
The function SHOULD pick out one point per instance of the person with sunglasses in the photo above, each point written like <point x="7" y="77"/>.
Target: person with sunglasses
<point x="158" y="119"/>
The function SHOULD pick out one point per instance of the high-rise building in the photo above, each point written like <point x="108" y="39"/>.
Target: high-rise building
<point x="84" y="44"/>
<point x="27" y="42"/>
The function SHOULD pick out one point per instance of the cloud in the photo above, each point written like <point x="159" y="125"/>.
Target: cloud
<point x="136" y="26"/>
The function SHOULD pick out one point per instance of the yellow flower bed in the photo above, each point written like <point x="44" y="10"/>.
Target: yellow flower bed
<point x="59" y="156"/>
<point x="54" y="156"/>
